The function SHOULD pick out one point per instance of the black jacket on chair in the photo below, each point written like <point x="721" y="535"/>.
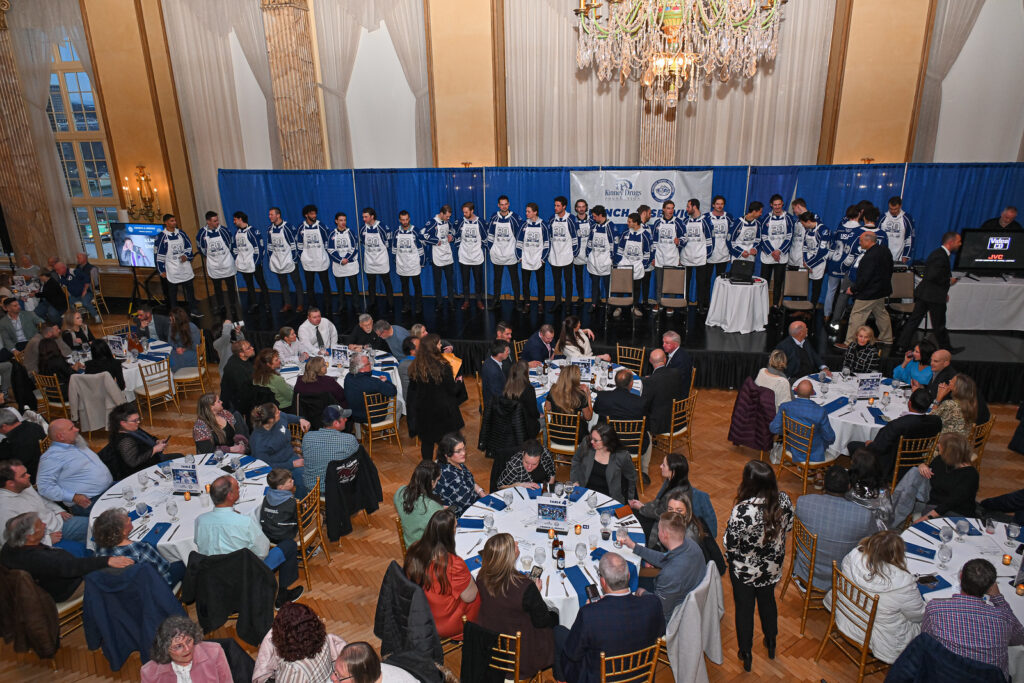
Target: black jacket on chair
<point x="925" y="660"/>
<point x="874" y="274"/>
<point x="934" y="285"/>
<point x="350" y="485"/>
<point x="661" y="387"/>
<point x="221" y="585"/>
<point x="911" y="426"/>
<point x="403" y="620"/>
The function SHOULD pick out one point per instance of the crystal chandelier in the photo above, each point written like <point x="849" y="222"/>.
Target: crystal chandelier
<point x="667" y="43"/>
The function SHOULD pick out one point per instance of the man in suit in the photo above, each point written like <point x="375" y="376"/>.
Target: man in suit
<point x="236" y="390"/>
<point x="839" y="523"/>
<point x="599" y="625"/>
<point x="18" y="326"/>
<point x="503" y="332"/>
<point x="622" y="404"/>
<point x="942" y="372"/>
<point x="663" y="386"/>
<point x="538" y="347"/>
<point x="677" y="358"/>
<point x="492" y="374"/>
<point x="359" y="382"/>
<point x="932" y="293"/>
<point x="151" y="326"/>
<point x="801" y="358"/>
<point x="916" y="424"/>
<point x="873" y="285"/>
<point x="807" y="412"/>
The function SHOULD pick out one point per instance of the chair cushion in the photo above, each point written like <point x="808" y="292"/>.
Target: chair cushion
<point x="186" y="373"/>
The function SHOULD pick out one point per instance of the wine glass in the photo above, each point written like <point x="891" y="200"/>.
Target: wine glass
<point x="129" y="493"/>
<point x="539" y="555"/>
<point x="824" y="389"/>
<point x="1012" y="531"/>
<point x="962" y="527"/>
<point x="592" y="503"/>
<point x="559" y="489"/>
<point x="853" y="401"/>
<point x="846" y="372"/>
<point x="886" y="399"/>
<point x="190" y="459"/>
<point x="620" y="534"/>
<point x="581" y="552"/>
<point x="527" y="562"/>
<point x="945" y="555"/>
<point x="239" y="476"/>
<point x="946" y="534"/>
<point x="172" y="509"/>
<point x="507" y="497"/>
<point x="143" y="479"/>
<point x="569" y="489"/>
<point x="165" y="468"/>
<point x="142" y="509"/>
<point x="489" y="523"/>
<point x="218" y="456"/>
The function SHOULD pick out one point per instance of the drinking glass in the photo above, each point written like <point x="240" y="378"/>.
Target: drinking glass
<point x="142" y="509"/>
<point x="962" y="527"/>
<point x="539" y="554"/>
<point x="190" y="459"/>
<point x="129" y="493"/>
<point x="946" y="534"/>
<point x="507" y="497"/>
<point x="143" y="479"/>
<point x="1012" y="531"/>
<point x="172" y="509"/>
<point x="488" y="522"/>
<point x="239" y="476"/>
<point x="165" y="468"/>
<point x="594" y="540"/>
<point x="824" y="389"/>
<point x="846" y="372"/>
<point x="218" y="456"/>
<point x="606" y="519"/>
<point x="886" y="399"/>
<point x="527" y="562"/>
<point x="619" y="535"/>
<point x="235" y="462"/>
<point x="569" y="489"/>
<point x="990" y="526"/>
<point x="581" y="552"/>
<point x="853" y="401"/>
<point x="945" y="555"/>
<point x="592" y="503"/>
<point x="558" y="489"/>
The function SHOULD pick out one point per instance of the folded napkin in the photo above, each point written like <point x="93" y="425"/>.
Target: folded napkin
<point x="289" y="368"/>
<point x="258" y="472"/>
<point x="155" y="534"/>
<point x="878" y="415"/>
<point x="534" y="493"/>
<point x="470" y="523"/>
<point x="609" y="509"/>
<point x="634" y="576"/>
<point x="245" y="460"/>
<point x="835" y="405"/>
<point x="536" y="385"/>
<point x="619" y="511"/>
<point x="579" y="582"/>
<point x="474" y="563"/>
<point x="493" y="502"/>
<point x="887" y="381"/>
<point x="133" y="515"/>
<point x="638" y="537"/>
<point x="635" y="391"/>
<point x="920" y="551"/>
<point x="937" y="586"/>
<point x="165" y="462"/>
<point x="577" y="493"/>
<point x="817" y="377"/>
<point x="972" y="531"/>
<point x="211" y="461"/>
<point x="380" y="373"/>
<point x="928" y="529"/>
<point x="275" y="558"/>
<point x="154" y="357"/>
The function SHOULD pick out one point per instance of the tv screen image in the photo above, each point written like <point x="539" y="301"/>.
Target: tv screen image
<point x="134" y="243"/>
<point x="996" y="251"/>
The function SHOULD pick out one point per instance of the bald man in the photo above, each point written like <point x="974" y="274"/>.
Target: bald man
<point x="807" y="412"/>
<point x="801" y="358"/>
<point x="663" y="386"/>
<point x="942" y="371"/>
<point x="69" y="472"/>
<point x="873" y="285"/>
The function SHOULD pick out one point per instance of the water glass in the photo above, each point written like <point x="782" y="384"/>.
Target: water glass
<point x="569" y="489"/>
<point x="239" y="476"/>
<point x="1012" y="531"/>
<point x="172" y="509"/>
<point x="594" y="540"/>
<point x="218" y="456"/>
<point x="619" y="535"/>
<point x="945" y="555"/>
<point x="539" y="554"/>
<point x="886" y="399"/>
<point x="190" y="459"/>
<point x="129" y="493"/>
<point x="946" y="534"/>
<point x="527" y="562"/>
<point x="559" y="489"/>
<point x="142" y="509"/>
<point x="606" y="519"/>
<point x="488" y="522"/>
<point x="846" y="373"/>
<point x="507" y="497"/>
<point x="962" y="527"/>
<point x="165" y="469"/>
<point x="143" y="479"/>
<point x="581" y="552"/>
<point x="990" y="526"/>
<point x="592" y="503"/>
<point x="824" y="389"/>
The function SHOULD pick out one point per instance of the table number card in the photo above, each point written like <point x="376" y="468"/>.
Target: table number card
<point x="185" y="478"/>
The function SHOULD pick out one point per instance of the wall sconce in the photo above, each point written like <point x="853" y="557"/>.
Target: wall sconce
<point x="148" y="205"/>
<point x="867" y="160"/>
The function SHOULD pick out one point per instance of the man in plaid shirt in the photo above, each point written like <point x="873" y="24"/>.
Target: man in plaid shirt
<point x="976" y="623"/>
<point x="530" y="467"/>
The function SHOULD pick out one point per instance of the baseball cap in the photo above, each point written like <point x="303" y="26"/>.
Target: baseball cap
<point x="335" y="412"/>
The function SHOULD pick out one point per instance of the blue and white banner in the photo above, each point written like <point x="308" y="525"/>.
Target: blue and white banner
<point x="621" y="192"/>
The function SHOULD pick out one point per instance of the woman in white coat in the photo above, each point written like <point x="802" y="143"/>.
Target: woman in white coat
<point x="774" y="377"/>
<point x="878" y="566"/>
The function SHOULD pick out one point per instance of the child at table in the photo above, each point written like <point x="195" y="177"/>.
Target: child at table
<point x="279" y="517"/>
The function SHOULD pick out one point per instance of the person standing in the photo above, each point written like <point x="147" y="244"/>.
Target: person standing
<point x="564" y="245"/>
<point x="717" y="223"/>
<point x="797" y="207"/>
<point x="838" y="268"/>
<point x="407" y="248"/>
<point x="501" y="246"/>
<point x="311" y="242"/>
<point x="583" y="228"/>
<point x="869" y="216"/>
<point x="283" y="259"/>
<point x="816" y="242"/>
<point x="532" y="245"/>
<point x="776" y="239"/>
<point x="744" y="236"/>
<point x="898" y="227"/>
<point x="174" y="263"/>
<point x="1007" y="220"/>
<point x="375" y="236"/>
<point x="599" y="254"/>
<point x="932" y="294"/>
<point x="470" y="234"/>
<point x="667" y="234"/>
<point x="633" y="251"/>
<point x="249" y="250"/>
<point x="696" y="248"/>
<point x="433" y="403"/>
<point x="214" y="243"/>
<point x="873" y="285"/>
<point x="438" y="235"/>
<point x="343" y="248"/>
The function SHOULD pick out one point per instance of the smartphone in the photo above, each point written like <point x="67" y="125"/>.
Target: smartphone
<point x="927" y="580"/>
<point x="536" y="571"/>
<point x="592" y="592"/>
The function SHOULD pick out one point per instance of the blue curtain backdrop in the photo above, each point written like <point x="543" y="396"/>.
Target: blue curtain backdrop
<point x="940" y="197"/>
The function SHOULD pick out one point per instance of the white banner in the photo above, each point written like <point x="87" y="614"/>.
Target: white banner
<point x="621" y="192"/>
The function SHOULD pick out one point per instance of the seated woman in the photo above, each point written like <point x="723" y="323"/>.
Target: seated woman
<point x="511" y="603"/>
<point x="879" y="566"/>
<point x="432" y="564"/>
<point x="360" y="663"/>
<point x="679" y="500"/>
<point x="416" y="501"/>
<point x="271" y="442"/>
<point x="184" y="340"/>
<point x="315" y="380"/>
<point x="6" y="282"/>
<point x="288" y="346"/>
<point x="103" y="361"/>
<point x="136" y="448"/>
<point x="297" y="648"/>
<point x="916" y="365"/>
<point x="774" y="377"/>
<point x="74" y="332"/>
<point x="675" y="471"/>
<point x="265" y="374"/>
<point x="948" y="486"/>
<point x="456" y="488"/>
<point x="602" y="464"/>
<point x="53" y="362"/>
<point x="870" y="489"/>
<point x="215" y="427"/>
<point x="957" y="405"/>
<point x="179" y="654"/>
<point x="574" y="342"/>
<point x="862" y="356"/>
<point x="569" y="397"/>
<point x="110" y="531"/>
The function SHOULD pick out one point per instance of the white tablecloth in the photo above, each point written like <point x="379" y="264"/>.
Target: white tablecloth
<point x="159" y="490"/>
<point x="739" y="308"/>
<point x="132" y="373"/>
<point x="520" y="520"/>
<point x="988" y="547"/>
<point x="857" y="424"/>
<point x="990" y="303"/>
<point x="542" y="384"/>
<point x="382" y="362"/>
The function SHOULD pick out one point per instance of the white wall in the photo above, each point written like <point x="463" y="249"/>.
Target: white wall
<point x="381" y="107"/>
<point x="252" y="110"/>
<point x="982" y="115"/>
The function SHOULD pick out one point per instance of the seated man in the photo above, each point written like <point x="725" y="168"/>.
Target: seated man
<point x="532" y="468"/>
<point x="392" y="337"/>
<point x="330" y="442"/>
<point x="236" y="388"/>
<point x="30" y="353"/>
<point x="17" y="496"/>
<point x="79" y="285"/>
<point x="977" y="622"/>
<point x="839" y="523"/>
<point x="149" y="325"/>
<point x="317" y="332"/>
<point x="18" y="326"/>
<point x="363" y="334"/>
<point x="807" y="412"/>
<point x="360" y="382"/>
<point x="492" y="372"/>
<point x="622" y="404"/>
<point x="21" y="440"/>
<point x="599" y="625"/>
<point x="57" y="571"/>
<point x="915" y="424"/>
<point x="942" y="372"/>
<point x="538" y="347"/>
<point x="69" y="473"/>
<point x="801" y="358"/>
<point x="221" y="531"/>
<point x="663" y="386"/>
<point x="682" y="564"/>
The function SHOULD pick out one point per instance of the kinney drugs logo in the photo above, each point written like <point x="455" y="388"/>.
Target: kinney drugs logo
<point x="622" y="190"/>
<point x="662" y="190"/>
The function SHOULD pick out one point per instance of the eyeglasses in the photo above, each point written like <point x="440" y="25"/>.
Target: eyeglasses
<point x="134" y="419"/>
<point x="182" y="645"/>
<point x="335" y="676"/>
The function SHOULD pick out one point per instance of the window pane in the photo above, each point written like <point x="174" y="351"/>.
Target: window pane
<point x="105" y="215"/>
<point x="84" y="223"/>
<point x="66" y="153"/>
<point x="96" y="171"/>
<point x="55" y="107"/>
<point x="83" y="106"/>
<point x="67" y="51"/>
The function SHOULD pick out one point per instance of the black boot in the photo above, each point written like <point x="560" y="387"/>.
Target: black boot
<point x="747" y="659"/>
<point x="770" y="644"/>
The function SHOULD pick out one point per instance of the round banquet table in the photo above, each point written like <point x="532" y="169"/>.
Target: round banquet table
<point x="739" y="308"/>
<point x="177" y="541"/>
<point x="520" y="520"/>
<point x="133" y="373"/>
<point x="542" y="384"/>
<point x="856" y="424"/>
<point x="988" y="547"/>
<point x="383" y="364"/>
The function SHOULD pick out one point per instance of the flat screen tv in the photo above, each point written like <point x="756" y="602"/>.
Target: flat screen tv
<point x="991" y="251"/>
<point x="134" y="243"/>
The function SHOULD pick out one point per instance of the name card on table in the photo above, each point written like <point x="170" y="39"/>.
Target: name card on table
<point x="185" y="478"/>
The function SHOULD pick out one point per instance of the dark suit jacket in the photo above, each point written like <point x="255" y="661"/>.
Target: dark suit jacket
<point x="874" y="274"/>
<point x="661" y="387"/>
<point x="682" y="362"/>
<point x="236" y="391"/>
<point x="359" y="384"/>
<point x="163" y="327"/>
<point x="535" y="350"/>
<point x="794" y="367"/>
<point x="911" y="426"/>
<point x="934" y="286"/>
<point x="492" y="379"/>
<point x="944" y="375"/>
<point x="599" y="628"/>
<point x="619" y="404"/>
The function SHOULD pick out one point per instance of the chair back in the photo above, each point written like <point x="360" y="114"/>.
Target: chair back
<point x="631" y="434"/>
<point x="805" y="550"/>
<point x="311" y="530"/>
<point x="44" y="444"/>
<point x="563" y="433"/>
<point x="631" y="667"/>
<point x="902" y="285"/>
<point x="979" y="439"/>
<point x="401" y="534"/>
<point x="295" y="430"/>
<point x="156" y="378"/>
<point x="119" y="330"/>
<point x="505" y="654"/>
<point x="380" y="410"/>
<point x="682" y="413"/>
<point x="620" y="287"/>
<point x="796" y="438"/>
<point x="630" y="357"/>
<point x="53" y="397"/>
<point x="911" y="453"/>
<point x="693" y="379"/>
<point x="858" y="608"/>
<point x="517" y="347"/>
<point x="673" y="288"/>
<point x="796" y="284"/>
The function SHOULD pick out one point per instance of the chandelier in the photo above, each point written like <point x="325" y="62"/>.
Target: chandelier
<point x="667" y="43"/>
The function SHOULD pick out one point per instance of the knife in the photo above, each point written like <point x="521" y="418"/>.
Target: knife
<point x="584" y="568"/>
<point x="547" y="585"/>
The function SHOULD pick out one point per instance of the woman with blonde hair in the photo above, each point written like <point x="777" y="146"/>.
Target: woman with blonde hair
<point x="74" y="331"/>
<point x="291" y="350"/>
<point x="774" y="377"/>
<point x="957" y="405"/>
<point x="879" y="566"/>
<point x="315" y="380"/>
<point x="511" y="602"/>
<point x="863" y="355"/>
<point x="946" y="486"/>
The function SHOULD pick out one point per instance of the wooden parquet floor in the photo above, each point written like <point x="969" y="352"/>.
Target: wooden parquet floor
<point x="344" y="593"/>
